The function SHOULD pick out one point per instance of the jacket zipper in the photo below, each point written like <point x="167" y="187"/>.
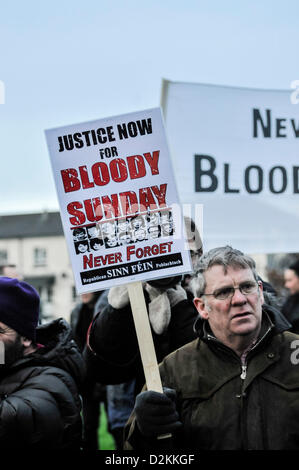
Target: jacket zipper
<point x="243" y="394"/>
<point x="244" y="365"/>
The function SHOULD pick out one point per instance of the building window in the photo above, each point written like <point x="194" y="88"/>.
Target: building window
<point x="3" y="257"/>
<point x="40" y="257"/>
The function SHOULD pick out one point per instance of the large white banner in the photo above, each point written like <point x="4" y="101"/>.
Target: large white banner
<point x="236" y="150"/>
<point x="118" y="200"/>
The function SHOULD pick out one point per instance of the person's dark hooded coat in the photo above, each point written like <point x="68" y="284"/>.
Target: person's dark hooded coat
<point x="290" y="309"/>
<point x="39" y="399"/>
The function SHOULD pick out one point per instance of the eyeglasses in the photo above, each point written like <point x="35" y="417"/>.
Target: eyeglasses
<point x="245" y="288"/>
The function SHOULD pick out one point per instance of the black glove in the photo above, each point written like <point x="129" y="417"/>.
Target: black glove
<point x="165" y="282"/>
<point x="156" y="412"/>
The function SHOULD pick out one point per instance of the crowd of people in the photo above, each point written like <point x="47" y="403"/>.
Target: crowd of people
<point x="223" y="345"/>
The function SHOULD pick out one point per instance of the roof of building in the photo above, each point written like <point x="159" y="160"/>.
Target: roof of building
<point x="43" y="224"/>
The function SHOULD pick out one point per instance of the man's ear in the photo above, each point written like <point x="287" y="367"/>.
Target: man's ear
<point x="201" y="307"/>
<point x="261" y="293"/>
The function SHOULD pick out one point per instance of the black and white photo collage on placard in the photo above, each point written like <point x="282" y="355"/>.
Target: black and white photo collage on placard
<point x="87" y="239"/>
<point x="119" y="232"/>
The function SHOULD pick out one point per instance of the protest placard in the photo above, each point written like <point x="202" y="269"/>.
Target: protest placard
<point x="118" y="201"/>
<point x="120" y="210"/>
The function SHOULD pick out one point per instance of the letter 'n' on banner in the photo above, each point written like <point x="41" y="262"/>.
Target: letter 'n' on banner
<point x="145" y="340"/>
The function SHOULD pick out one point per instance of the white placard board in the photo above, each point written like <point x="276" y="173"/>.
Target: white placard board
<point x="118" y="200"/>
<point x="236" y="151"/>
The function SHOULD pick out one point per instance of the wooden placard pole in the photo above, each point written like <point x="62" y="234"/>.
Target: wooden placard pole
<point x="145" y="340"/>
<point x="144" y="336"/>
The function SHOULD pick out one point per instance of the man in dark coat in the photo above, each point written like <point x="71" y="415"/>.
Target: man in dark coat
<point x="235" y="387"/>
<point x="41" y="370"/>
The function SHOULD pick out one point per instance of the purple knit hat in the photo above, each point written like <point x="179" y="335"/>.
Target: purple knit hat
<point x="19" y="306"/>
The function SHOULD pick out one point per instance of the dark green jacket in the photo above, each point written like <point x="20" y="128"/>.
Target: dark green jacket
<point x="222" y="411"/>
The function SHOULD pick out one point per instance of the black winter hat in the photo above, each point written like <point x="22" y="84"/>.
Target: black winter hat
<point x="19" y="306"/>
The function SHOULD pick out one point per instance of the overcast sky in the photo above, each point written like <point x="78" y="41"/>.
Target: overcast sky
<point x="65" y="62"/>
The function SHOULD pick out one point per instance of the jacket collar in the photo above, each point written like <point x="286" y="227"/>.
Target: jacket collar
<point x="273" y="322"/>
<point x="278" y="319"/>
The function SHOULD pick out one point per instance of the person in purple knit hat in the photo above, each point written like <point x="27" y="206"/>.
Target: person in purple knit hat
<point x="41" y="370"/>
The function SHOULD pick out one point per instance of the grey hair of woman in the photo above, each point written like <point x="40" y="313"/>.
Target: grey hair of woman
<point x="225" y="256"/>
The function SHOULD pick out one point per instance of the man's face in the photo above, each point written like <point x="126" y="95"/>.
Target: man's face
<point x="154" y="231"/>
<point x="80" y="236"/>
<point x="154" y="218"/>
<point x="291" y="281"/>
<point x="123" y="225"/>
<point x="140" y="234"/>
<point x="112" y="242"/>
<point x="96" y="246"/>
<point x="124" y="239"/>
<point x="108" y="228"/>
<point x="82" y="247"/>
<point x="239" y="315"/>
<point x="92" y="232"/>
<point x="138" y="223"/>
<point x="13" y="346"/>
<point x="167" y="228"/>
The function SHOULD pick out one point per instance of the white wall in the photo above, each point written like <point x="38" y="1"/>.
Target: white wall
<point x="21" y="252"/>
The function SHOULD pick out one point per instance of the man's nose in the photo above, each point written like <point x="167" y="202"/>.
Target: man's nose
<point x="238" y="297"/>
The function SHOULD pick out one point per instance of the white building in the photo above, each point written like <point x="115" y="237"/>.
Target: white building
<point x="35" y="243"/>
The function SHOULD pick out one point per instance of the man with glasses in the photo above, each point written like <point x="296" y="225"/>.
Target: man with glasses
<point x="236" y="386"/>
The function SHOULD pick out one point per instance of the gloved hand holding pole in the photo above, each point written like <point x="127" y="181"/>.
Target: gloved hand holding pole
<point x="145" y="341"/>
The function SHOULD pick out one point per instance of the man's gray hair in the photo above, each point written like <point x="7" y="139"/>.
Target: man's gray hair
<point x="225" y="256"/>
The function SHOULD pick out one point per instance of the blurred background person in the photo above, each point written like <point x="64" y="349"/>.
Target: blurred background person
<point x="290" y="308"/>
<point x="41" y="376"/>
<point x="93" y="393"/>
<point x="10" y="270"/>
<point x="195" y="249"/>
